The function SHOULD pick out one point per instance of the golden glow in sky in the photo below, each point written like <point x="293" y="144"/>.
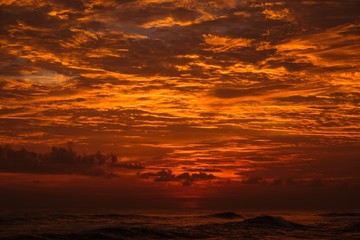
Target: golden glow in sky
<point x="183" y="93"/>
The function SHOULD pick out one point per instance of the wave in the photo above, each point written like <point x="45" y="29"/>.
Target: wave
<point x="271" y="221"/>
<point x="354" y="214"/>
<point x="224" y="215"/>
<point x="110" y="233"/>
<point x="148" y="232"/>
<point x="205" y="231"/>
<point x="260" y="222"/>
<point x="6" y="219"/>
<point x="249" y="228"/>
<point x="26" y="237"/>
<point x="9" y="219"/>
<point x="353" y="228"/>
<point x="122" y="216"/>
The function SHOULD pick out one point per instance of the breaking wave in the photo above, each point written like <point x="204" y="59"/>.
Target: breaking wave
<point x="271" y="221"/>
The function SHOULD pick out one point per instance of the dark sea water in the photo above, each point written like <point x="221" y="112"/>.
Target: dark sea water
<point x="86" y="225"/>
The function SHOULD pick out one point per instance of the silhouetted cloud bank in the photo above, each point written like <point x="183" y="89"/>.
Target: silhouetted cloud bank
<point x="60" y="161"/>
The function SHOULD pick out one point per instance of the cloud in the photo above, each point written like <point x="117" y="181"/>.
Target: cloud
<point x="208" y="170"/>
<point x="185" y="178"/>
<point x="254" y="180"/>
<point x="250" y="91"/>
<point x="129" y="165"/>
<point x="193" y="86"/>
<point x="283" y="14"/>
<point x="61" y="161"/>
<point x="72" y="4"/>
<point x="224" y="44"/>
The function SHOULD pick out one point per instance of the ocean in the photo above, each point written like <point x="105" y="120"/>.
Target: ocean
<point x="176" y="224"/>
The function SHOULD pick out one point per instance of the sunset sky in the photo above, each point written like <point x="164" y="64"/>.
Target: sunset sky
<point x="150" y="103"/>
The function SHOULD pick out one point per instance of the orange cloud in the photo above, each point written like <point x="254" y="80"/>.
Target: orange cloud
<point x="217" y="92"/>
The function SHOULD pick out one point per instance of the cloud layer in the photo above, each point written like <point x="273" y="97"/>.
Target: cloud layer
<point x="197" y="91"/>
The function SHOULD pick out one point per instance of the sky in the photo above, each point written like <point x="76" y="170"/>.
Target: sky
<point x="161" y="103"/>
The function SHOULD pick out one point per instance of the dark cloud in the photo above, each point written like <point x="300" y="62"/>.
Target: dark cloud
<point x="312" y="182"/>
<point x="254" y="180"/>
<point x="337" y="13"/>
<point x="147" y="13"/>
<point x="185" y="178"/>
<point x="124" y="1"/>
<point x="34" y="17"/>
<point x="129" y="165"/>
<point x="72" y="4"/>
<point x="61" y="161"/>
<point x="211" y="170"/>
<point x="243" y="92"/>
<point x="300" y="99"/>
